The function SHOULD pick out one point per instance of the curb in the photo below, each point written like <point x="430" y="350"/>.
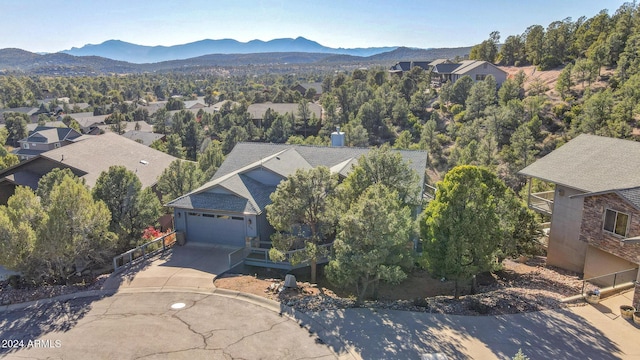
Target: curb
<point x="59" y="298"/>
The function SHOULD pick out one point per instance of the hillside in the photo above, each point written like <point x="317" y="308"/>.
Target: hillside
<point x="64" y="64"/>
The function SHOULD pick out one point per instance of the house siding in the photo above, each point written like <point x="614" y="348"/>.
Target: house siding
<point x="592" y="230"/>
<point x="566" y="250"/>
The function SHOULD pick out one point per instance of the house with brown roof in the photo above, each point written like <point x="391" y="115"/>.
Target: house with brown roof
<point x="594" y="208"/>
<point x="88" y="159"/>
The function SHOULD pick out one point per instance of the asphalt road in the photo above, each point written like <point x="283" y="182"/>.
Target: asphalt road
<point x="145" y="326"/>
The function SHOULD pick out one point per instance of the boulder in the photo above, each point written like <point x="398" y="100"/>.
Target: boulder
<point x="290" y="281"/>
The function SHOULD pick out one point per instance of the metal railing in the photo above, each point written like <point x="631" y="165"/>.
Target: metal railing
<point x="610" y="281"/>
<point x="237" y="257"/>
<point x="144" y="251"/>
<point x="542" y="202"/>
<point x="262" y="255"/>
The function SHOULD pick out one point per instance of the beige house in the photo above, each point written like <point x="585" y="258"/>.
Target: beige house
<point x="594" y="208"/>
<point x="478" y="70"/>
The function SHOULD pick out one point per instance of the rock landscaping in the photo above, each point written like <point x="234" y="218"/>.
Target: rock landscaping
<point x="518" y="288"/>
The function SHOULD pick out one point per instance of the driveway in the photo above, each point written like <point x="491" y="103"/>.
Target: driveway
<point x="190" y="267"/>
<point x="145" y="326"/>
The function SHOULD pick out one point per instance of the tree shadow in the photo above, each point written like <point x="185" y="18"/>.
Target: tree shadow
<point x="392" y="334"/>
<point x="36" y="321"/>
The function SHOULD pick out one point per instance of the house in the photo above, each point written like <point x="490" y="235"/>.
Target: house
<point x="230" y="209"/>
<point x="594" y="207"/>
<point x="43" y="139"/>
<point x="302" y="88"/>
<point x="88" y="159"/>
<point x="32" y="112"/>
<point x="403" y="66"/>
<point x="478" y="70"/>
<point x="89" y="124"/>
<point x="257" y="111"/>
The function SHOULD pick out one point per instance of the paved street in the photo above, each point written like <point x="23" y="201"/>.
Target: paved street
<point x="144" y="326"/>
<point x="138" y="322"/>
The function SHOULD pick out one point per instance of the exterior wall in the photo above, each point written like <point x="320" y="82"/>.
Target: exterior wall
<point x="499" y="75"/>
<point x="592" y="226"/>
<point x="179" y="218"/>
<point x="264" y="228"/>
<point x="636" y="297"/>
<point x="251" y="225"/>
<point x="599" y="262"/>
<point x="565" y="248"/>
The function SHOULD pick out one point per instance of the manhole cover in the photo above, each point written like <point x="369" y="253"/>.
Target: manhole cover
<point x="178" y="306"/>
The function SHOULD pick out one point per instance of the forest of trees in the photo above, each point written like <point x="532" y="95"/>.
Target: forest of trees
<point x="502" y="129"/>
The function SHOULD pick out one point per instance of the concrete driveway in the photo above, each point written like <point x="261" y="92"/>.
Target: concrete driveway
<point x="190" y="267"/>
<point x="145" y="326"/>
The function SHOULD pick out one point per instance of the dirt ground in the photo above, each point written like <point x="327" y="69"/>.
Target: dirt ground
<point x="518" y="287"/>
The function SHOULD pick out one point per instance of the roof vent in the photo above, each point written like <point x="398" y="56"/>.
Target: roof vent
<point x="144" y="162"/>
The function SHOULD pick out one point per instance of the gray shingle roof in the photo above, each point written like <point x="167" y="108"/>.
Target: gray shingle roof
<point x="210" y="201"/>
<point x="282" y="160"/>
<point x="591" y="163"/>
<point x="631" y="195"/>
<point x="48" y="135"/>
<point x="143" y="137"/>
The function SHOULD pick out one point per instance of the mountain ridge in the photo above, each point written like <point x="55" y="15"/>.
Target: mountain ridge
<point x="144" y="54"/>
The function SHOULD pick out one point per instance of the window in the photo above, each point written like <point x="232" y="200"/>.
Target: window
<point x="616" y="222"/>
<point x="480" y="77"/>
<point x="56" y="145"/>
<point x="25" y="146"/>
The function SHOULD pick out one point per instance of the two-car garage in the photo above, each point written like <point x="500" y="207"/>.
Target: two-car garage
<point x="218" y="229"/>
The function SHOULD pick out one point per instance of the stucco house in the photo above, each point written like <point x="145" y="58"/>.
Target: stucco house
<point x="43" y="139"/>
<point x="230" y="209"/>
<point x="594" y="207"/>
<point x="478" y="70"/>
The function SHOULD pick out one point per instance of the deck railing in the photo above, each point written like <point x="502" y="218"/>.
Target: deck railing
<point x="261" y="255"/>
<point x="144" y="251"/>
<point x="542" y="202"/>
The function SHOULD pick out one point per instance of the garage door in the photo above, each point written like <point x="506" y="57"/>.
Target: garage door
<point x="215" y="229"/>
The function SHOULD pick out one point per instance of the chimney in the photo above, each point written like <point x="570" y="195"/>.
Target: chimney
<point x="337" y="138"/>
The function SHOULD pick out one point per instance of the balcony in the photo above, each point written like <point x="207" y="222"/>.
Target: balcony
<point x="542" y="202"/>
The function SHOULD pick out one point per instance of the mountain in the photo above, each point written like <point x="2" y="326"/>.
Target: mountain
<point x="140" y="54"/>
<point x="16" y="60"/>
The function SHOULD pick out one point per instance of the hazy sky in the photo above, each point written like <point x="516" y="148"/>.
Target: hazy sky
<point x="46" y="26"/>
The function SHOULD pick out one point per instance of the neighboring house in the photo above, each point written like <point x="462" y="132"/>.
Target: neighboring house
<point x="594" y="208"/>
<point x="230" y="209"/>
<point x="257" y="111"/>
<point x="403" y="66"/>
<point x="478" y="70"/>
<point x="143" y="137"/>
<point x="88" y="159"/>
<point x="302" y="88"/>
<point x="43" y="139"/>
<point x="30" y="111"/>
<point x="194" y="104"/>
<point x="89" y="124"/>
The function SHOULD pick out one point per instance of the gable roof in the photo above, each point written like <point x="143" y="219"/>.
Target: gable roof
<point x="445" y="68"/>
<point x="469" y="65"/>
<point x="280" y="159"/>
<point x="590" y="163"/>
<point x="98" y="153"/>
<point x="48" y="135"/>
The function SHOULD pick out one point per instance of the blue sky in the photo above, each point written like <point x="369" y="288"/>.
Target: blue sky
<point x="45" y="26"/>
